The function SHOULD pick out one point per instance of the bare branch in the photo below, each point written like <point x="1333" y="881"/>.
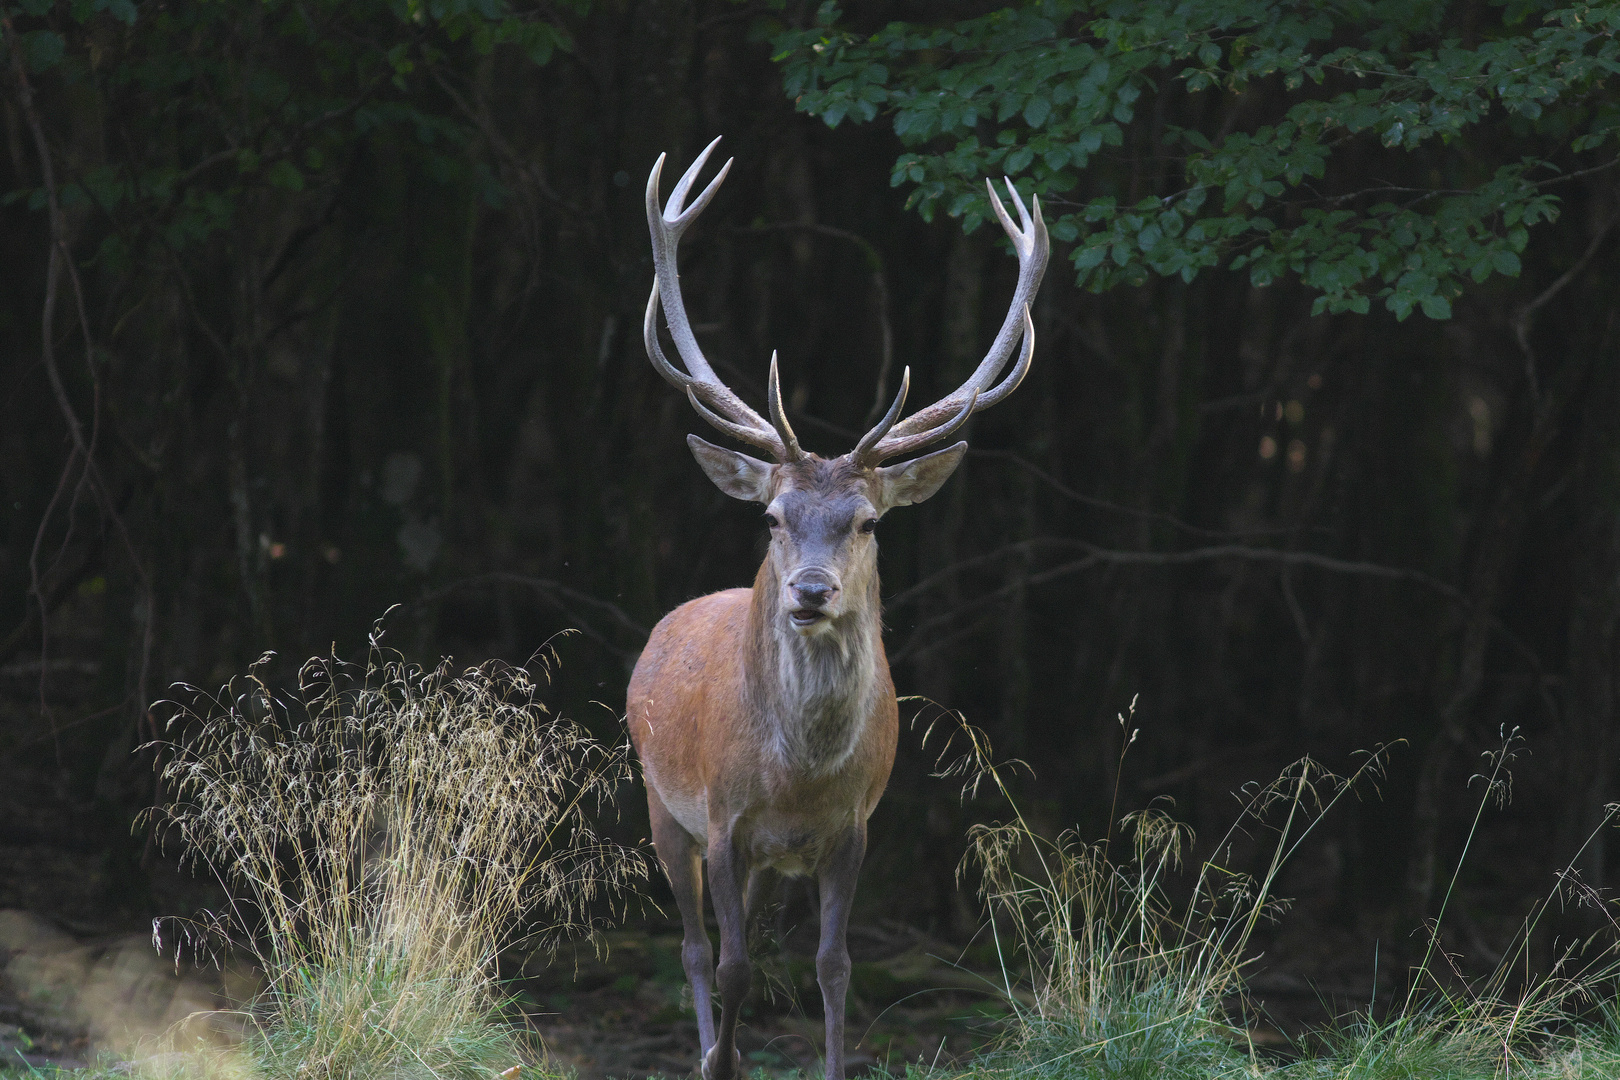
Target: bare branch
<point x="880" y="294"/>
<point x="564" y="597"/>
<point x="925" y="636"/>
<point x="1146" y="515"/>
<point x="1522" y="319"/>
<point x="83" y="454"/>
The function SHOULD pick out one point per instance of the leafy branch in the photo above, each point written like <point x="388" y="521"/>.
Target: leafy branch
<point x="1049" y="92"/>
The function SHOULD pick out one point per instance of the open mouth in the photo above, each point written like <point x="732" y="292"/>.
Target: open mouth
<point x="806" y="616"/>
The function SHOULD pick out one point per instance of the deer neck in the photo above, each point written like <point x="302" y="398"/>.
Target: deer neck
<point x="812" y="693"/>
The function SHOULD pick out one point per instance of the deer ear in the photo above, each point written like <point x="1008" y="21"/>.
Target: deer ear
<point x="913" y="481"/>
<point x="738" y="475"/>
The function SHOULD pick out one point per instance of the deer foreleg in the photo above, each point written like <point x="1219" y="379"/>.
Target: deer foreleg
<point x="682" y="862"/>
<point x="837" y="886"/>
<point x="735" y="973"/>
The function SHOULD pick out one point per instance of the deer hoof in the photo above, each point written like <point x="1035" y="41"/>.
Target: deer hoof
<point x="711" y="1065"/>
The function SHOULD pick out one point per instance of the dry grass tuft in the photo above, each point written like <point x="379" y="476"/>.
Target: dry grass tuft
<point x="387" y="830"/>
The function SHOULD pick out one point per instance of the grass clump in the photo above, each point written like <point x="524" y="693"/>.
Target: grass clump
<point x="385" y="832"/>
<point x="1426" y="1045"/>
<point x="1106" y="977"/>
<point x="1563" y="1024"/>
<point x="1123" y="982"/>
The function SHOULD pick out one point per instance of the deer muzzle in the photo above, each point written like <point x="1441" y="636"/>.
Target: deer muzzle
<point x="812" y="596"/>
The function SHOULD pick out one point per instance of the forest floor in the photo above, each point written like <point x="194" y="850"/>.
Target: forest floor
<point x="78" y="971"/>
<point x="618" y="1010"/>
<point x="628" y="1012"/>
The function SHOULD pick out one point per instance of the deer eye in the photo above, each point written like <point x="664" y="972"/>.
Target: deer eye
<point x="869" y="525"/>
<point x="771" y="522"/>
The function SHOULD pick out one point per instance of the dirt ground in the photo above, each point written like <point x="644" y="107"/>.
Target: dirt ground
<point x="619" y="1008"/>
<point x="629" y="1013"/>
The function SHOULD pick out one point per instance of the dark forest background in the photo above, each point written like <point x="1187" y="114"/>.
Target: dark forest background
<point x="310" y="311"/>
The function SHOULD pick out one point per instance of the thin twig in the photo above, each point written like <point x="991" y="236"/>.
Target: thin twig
<point x="1098" y="556"/>
<point x="554" y="590"/>
<point x="1103" y="504"/>
<point x="84" y="448"/>
<point x="1521" y="320"/>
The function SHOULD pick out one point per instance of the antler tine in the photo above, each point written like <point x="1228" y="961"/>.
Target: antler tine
<point x="863" y="449"/>
<point x="779" y="420"/>
<point x="1020" y="369"/>
<point x="932" y="423"/>
<point x="894" y="447"/>
<point x="666" y="234"/>
<point x="765" y="440"/>
<point x="685" y="215"/>
<point x="673" y="375"/>
<point x="720" y="406"/>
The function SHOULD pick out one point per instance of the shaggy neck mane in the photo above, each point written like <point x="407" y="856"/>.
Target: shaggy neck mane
<point x="813" y="693"/>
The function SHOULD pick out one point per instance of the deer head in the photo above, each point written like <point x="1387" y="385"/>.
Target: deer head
<point x="823" y="512"/>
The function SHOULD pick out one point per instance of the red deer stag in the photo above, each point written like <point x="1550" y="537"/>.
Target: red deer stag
<point x="765" y="718"/>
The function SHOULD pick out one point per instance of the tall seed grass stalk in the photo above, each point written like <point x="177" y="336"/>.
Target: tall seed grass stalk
<point x="1129" y="985"/>
<point x="1510" y="1011"/>
<point x="1125" y="981"/>
<point x="383" y="833"/>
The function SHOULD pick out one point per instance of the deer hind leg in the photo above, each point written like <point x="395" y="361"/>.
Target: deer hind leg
<point x="735" y="973"/>
<point x="682" y="862"/>
<point x="837" y="887"/>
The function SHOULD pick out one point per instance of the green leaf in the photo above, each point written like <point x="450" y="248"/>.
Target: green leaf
<point x="43" y="49"/>
<point x="284" y="174"/>
<point x="1090" y="256"/>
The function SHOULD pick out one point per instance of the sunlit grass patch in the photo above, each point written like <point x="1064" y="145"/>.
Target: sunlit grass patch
<point x="386" y="832"/>
<point x="360" y="1018"/>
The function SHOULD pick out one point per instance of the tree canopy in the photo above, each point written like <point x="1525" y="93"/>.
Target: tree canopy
<point x="1374" y="150"/>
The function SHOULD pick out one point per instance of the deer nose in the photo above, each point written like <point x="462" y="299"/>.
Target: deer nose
<point x="813" y="594"/>
<point x="814" y="589"/>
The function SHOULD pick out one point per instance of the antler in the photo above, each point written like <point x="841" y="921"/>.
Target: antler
<point x="929" y="425"/>
<point x="713" y="399"/>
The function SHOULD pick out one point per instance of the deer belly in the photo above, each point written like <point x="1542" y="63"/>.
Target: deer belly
<point x="791" y="849"/>
<point x="690" y="808"/>
<point x="692" y="812"/>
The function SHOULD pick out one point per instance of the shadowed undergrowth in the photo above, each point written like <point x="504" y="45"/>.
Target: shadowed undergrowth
<point x="388" y="830"/>
<point x="1122" y="982"/>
